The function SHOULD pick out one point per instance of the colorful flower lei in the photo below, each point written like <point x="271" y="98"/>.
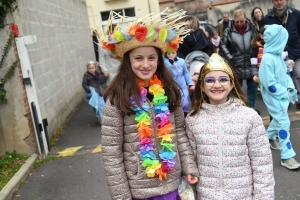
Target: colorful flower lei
<point x="166" y="162"/>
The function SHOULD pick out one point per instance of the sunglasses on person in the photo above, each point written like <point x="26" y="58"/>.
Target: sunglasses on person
<point x="239" y="22"/>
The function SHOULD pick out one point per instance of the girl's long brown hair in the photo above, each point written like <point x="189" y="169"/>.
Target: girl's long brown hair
<point x="199" y="95"/>
<point x="124" y="85"/>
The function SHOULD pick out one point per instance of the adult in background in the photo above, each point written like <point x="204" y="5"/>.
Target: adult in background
<point x="95" y="42"/>
<point x="289" y="18"/>
<point x="108" y="64"/>
<point x="256" y="16"/>
<point x="223" y="24"/>
<point x="195" y="41"/>
<point x="235" y="46"/>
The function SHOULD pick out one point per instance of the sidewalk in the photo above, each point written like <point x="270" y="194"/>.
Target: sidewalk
<point x="82" y="175"/>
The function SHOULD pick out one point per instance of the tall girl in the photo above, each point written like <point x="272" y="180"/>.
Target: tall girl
<point x="144" y="144"/>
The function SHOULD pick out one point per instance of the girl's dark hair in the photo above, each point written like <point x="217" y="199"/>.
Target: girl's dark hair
<point x="124" y="85"/>
<point x="262" y="30"/>
<point x="199" y="94"/>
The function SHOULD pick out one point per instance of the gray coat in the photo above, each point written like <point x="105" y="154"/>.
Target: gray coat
<point x="108" y="64"/>
<point x="236" y="49"/>
<point x="88" y="80"/>
<point x="126" y="177"/>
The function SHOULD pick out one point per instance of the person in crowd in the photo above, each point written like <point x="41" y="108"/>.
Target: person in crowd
<point x="215" y="40"/>
<point x="228" y="138"/>
<point x="109" y="65"/>
<point x="92" y="83"/>
<point x="195" y="41"/>
<point x="211" y="48"/>
<point x="181" y="75"/>
<point x="289" y="18"/>
<point x="144" y="144"/>
<point x="223" y="24"/>
<point x="194" y="62"/>
<point x="278" y="91"/>
<point x="256" y="16"/>
<point x="236" y="48"/>
<point x="95" y="43"/>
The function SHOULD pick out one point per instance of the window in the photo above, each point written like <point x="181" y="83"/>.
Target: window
<point x="129" y="12"/>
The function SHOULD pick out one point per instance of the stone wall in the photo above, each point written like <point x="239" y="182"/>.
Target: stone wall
<point x="58" y="59"/>
<point x="16" y="130"/>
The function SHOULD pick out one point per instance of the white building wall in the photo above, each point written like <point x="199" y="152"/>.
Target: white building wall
<point x="142" y="8"/>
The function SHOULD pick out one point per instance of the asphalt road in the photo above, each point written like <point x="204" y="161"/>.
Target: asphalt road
<point x="82" y="177"/>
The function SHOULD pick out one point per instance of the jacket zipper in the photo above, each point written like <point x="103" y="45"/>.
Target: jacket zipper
<point x="220" y="146"/>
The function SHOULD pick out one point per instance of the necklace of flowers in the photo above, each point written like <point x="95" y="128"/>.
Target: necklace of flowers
<point x="166" y="161"/>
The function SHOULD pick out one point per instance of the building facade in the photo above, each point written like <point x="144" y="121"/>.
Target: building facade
<point x="98" y="11"/>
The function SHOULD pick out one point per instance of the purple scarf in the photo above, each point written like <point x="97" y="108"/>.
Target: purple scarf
<point x="96" y="75"/>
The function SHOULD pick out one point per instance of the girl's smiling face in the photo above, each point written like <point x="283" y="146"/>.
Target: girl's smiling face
<point x="217" y="86"/>
<point x="172" y="55"/>
<point x="92" y="68"/>
<point x="144" y="61"/>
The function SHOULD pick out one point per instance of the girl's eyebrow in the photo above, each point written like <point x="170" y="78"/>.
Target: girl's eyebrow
<point x="217" y="78"/>
<point x="223" y="77"/>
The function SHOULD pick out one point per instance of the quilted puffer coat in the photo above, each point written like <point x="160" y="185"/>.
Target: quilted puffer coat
<point x="126" y="177"/>
<point x="236" y="49"/>
<point x="233" y="153"/>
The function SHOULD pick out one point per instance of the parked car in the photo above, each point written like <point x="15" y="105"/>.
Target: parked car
<point x="207" y="26"/>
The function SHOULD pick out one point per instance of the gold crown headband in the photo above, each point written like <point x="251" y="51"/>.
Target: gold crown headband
<point x="217" y="63"/>
<point x="158" y="30"/>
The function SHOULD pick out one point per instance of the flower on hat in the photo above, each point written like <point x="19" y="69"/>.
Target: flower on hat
<point x="158" y="30"/>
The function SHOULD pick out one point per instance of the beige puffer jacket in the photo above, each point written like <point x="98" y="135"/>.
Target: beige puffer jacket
<point x="233" y="152"/>
<point x="126" y="177"/>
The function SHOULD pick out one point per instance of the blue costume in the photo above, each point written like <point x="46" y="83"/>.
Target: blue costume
<point x="182" y="77"/>
<point x="275" y="85"/>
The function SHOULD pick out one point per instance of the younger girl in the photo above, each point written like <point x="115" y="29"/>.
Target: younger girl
<point x="182" y="77"/>
<point x="144" y="145"/>
<point x="92" y="84"/>
<point x="228" y="138"/>
<point x="215" y="40"/>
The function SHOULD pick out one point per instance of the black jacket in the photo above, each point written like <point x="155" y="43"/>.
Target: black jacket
<point x="236" y="49"/>
<point x="196" y="41"/>
<point x="90" y="80"/>
<point x="293" y="28"/>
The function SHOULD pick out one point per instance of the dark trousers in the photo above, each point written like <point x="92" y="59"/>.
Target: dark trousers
<point x="251" y="91"/>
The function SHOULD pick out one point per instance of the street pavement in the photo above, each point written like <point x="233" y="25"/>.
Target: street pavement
<point x="81" y="176"/>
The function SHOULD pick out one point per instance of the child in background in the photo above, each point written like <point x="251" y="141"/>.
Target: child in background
<point x="258" y="45"/>
<point x="278" y="91"/>
<point x="182" y="77"/>
<point x="144" y="145"/>
<point x="92" y="84"/>
<point x="228" y="138"/>
<point x="194" y="62"/>
<point x="215" y="40"/>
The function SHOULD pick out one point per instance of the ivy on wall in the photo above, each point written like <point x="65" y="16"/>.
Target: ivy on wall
<point x="11" y="70"/>
<point x="5" y="6"/>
